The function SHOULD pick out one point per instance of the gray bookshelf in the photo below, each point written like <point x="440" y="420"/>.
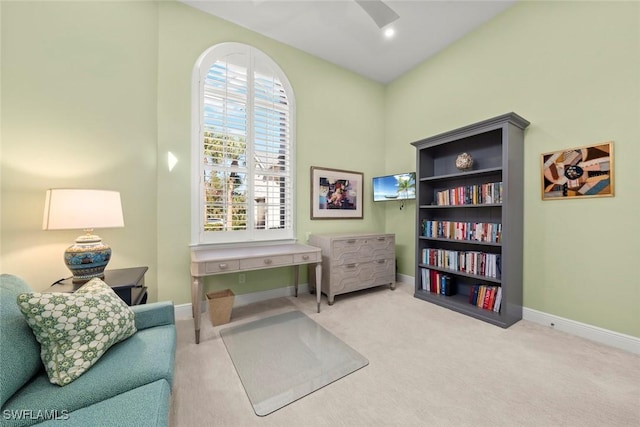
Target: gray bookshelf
<point x="497" y="148"/>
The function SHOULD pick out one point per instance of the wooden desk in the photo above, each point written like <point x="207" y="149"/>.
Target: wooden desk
<point x="209" y="262"/>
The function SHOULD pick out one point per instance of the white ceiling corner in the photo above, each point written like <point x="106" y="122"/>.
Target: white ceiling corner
<point x="341" y="32"/>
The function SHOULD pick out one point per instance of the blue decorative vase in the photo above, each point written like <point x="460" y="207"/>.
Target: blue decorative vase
<point x="87" y="258"/>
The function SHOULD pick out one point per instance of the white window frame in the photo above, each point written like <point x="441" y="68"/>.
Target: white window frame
<point x="249" y="236"/>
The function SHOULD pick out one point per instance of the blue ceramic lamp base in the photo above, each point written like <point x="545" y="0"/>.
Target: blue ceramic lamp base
<point x="87" y="258"/>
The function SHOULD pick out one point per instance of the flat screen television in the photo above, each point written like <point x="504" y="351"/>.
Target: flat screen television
<point x="401" y="186"/>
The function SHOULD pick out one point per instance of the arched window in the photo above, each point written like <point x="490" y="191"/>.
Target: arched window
<point x="242" y="147"/>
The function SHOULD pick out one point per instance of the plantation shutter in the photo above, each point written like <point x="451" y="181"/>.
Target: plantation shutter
<point x="246" y="173"/>
<point x="272" y="155"/>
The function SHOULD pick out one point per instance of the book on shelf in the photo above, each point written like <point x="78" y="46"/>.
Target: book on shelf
<point x="471" y="262"/>
<point x="426" y="285"/>
<point x="483" y="194"/>
<point x="486" y="303"/>
<point x="437" y="282"/>
<point x="473" y="295"/>
<point x="456" y="230"/>
<point x="492" y="302"/>
<point x="448" y="287"/>
<point x="487" y="297"/>
<point x="496" y="304"/>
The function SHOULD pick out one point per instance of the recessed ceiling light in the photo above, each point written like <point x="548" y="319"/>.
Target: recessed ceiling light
<point x="389" y="32"/>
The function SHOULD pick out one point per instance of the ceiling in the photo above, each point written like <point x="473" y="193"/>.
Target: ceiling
<point x="341" y="32"/>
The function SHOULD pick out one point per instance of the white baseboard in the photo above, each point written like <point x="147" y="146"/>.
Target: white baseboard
<point x="590" y="332"/>
<point x="403" y="278"/>
<point x="183" y="311"/>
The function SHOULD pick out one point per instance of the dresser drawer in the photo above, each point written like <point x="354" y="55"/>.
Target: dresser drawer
<point x="375" y="242"/>
<point x="221" y="266"/>
<point x="385" y="267"/>
<point x="350" y="277"/>
<point x="358" y="250"/>
<point x="268" y="261"/>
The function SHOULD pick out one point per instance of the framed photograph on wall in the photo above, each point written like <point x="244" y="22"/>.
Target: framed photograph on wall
<point x="578" y="172"/>
<point x="336" y="194"/>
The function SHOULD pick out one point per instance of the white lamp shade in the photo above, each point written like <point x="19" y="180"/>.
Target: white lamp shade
<point x="67" y="209"/>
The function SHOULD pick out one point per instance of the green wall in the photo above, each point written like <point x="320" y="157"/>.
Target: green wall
<point x="340" y="124"/>
<point x="94" y="94"/>
<point x="573" y="70"/>
<point x="78" y="110"/>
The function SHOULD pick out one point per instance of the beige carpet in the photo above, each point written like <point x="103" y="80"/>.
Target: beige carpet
<point x="428" y="366"/>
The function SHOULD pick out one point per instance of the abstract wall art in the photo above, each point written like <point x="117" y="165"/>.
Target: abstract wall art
<point x="578" y="172"/>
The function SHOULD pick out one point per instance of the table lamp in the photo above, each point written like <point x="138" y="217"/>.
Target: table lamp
<point x="68" y="209"/>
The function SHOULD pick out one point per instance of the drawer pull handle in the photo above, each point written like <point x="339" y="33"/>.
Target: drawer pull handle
<point x="223" y="266"/>
<point x="268" y="261"/>
<point x="305" y="257"/>
<point x="351" y="265"/>
<point x="351" y="241"/>
<point x="381" y="239"/>
<point x="380" y="261"/>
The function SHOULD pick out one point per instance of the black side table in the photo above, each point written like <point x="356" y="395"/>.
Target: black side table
<point x="128" y="284"/>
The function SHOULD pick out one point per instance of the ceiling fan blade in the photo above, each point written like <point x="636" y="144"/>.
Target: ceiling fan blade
<point x="381" y="13"/>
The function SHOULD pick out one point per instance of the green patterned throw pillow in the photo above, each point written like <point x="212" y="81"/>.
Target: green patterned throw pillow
<point x="75" y="330"/>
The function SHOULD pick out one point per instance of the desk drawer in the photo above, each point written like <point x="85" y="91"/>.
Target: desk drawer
<point x="265" y="262"/>
<point x="221" y="266"/>
<point x="304" y="258"/>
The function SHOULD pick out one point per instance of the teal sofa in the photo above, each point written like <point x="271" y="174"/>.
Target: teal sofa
<point x="130" y="385"/>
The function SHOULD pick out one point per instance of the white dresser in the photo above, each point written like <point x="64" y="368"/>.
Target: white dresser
<point x="354" y="261"/>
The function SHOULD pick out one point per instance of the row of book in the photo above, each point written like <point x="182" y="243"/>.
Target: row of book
<point x="486" y="296"/>
<point x="475" y="231"/>
<point x="436" y="282"/>
<point x="471" y="262"/>
<point x="489" y="193"/>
